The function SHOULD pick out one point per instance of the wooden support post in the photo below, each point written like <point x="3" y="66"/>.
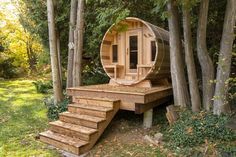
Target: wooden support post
<point x="147" y="118"/>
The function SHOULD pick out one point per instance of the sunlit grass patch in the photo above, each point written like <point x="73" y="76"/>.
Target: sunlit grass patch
<point x="22" y="117"/>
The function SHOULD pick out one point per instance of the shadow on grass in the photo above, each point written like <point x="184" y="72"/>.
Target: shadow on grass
<point x="22" y="117"/>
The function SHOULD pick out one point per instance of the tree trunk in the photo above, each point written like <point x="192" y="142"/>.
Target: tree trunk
<point x="57" y="88"/>
<point x="189" y="59"/>
<point x="77" y="65"/>
<point x="33" y="60"/>
<point x="204" y="59"/>
<point x="59" y="54"/>
<point x="56" y="3"/>
<point x="224" y="63"/>
<point x="31" y="56"/>
<point x="30" y="53"/>
<point x="71" y="44"/>
<point x="181" y="96"/>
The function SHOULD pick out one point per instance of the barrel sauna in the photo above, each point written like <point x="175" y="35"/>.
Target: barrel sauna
<point x="134" y="50"/>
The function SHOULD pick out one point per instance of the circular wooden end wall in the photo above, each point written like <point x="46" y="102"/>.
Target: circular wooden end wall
<point x="134" y="50"/>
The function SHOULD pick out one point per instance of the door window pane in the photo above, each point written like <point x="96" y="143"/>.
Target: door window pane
<point x="153" y="50"/>
<point x="133" y="45"/>
<point x="114" y="53"/>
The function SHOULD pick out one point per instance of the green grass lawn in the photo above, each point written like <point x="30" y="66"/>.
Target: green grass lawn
<point x="22" y="117"/>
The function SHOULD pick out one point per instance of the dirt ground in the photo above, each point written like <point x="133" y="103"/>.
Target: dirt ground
<point x="125" y="136"/>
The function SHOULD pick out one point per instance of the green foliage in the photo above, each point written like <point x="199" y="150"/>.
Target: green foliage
<point x="8" y="69"/>
<point x="16" y="41"/>
<point x="55" y="109"/>
<point x="33" y="16"/>
<point x="227" y="149"/>
<point x="232" y="91"/>
<point x="160" y="8"/>
<point x="43" y="59"/>
<point x="94" y="76"/>
<point x="43" y="86"/>
<point x="98" y="21"/>
<point x="188" y="4"/>
<point x="46" y="86"/>
<point x="193" y="129"/>
<point x="215" y="24"/>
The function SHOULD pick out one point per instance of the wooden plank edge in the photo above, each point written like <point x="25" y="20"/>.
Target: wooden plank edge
<point x="141" y="108"/>
<point x="105" y="91"/>
<point x="97" y="98"/>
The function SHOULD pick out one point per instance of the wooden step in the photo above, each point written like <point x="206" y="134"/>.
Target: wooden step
<point x="72" y="130"/>
<point x="105" y="102"/>
<point x="63" y="142"/>
<point x="93" y="107"/>
<point x="83" y="120"/>
<point x="90" y="110"/>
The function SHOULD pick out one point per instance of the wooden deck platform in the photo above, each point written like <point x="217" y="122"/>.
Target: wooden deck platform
<point x="138" y="99"/>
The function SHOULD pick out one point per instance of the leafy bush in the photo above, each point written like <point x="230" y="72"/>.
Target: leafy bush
<point x="94" y="75"/>
<point x="232" y="91"/>
<point x="193" y="129"/>
<point x="7" y="68"/>
<point x="54" y="110"/>
<point x="43" y="86"/>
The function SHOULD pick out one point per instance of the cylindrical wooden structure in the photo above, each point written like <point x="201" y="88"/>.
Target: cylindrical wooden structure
<point x="134" y="50"/>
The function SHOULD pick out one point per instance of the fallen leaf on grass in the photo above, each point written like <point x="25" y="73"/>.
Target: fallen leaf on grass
<point x="189" y="130"/>
<point x="131" y="154"/>
<point x="5" y="119"/>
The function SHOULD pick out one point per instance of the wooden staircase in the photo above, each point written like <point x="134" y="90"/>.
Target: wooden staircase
<point x="77" y="130"/>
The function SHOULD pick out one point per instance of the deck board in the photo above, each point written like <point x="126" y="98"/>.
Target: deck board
<point x="122" y="89"/>
<point x="130" y="97"/>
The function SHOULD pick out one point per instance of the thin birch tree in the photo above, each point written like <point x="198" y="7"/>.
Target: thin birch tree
<point x="204" y="58"/>
<point x="57" y="87"/>
<point x="189" y="59"/>
<point x="72" y="25"/>
<point x="181" y="96"/>
<point x="78" y="37"/>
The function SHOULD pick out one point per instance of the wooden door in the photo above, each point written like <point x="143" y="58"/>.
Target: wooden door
<point x="133" y="50"/>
